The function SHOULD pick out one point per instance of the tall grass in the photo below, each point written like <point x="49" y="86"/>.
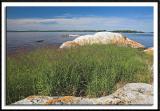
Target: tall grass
<point x="83" y="71"/>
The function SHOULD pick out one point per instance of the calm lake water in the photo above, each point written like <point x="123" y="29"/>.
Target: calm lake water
<point x="28" y="40"/>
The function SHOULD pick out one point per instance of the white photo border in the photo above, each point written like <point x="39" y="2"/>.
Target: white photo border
<point x="55" y="4"/>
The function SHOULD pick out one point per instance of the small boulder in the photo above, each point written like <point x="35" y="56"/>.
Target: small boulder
<point x="149" y="51"/>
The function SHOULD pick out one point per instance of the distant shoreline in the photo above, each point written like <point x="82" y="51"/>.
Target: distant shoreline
<point x="58" y="31"/>
<point x="116" y="31"/>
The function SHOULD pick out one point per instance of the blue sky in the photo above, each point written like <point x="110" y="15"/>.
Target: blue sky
<point x="80" y="18"/>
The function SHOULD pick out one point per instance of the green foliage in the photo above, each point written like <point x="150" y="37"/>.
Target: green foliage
<point x="92" y="71"/>
<point x="127" y="31"/>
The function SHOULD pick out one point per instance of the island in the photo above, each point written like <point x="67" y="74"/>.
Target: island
<point x="127" y="31"/>
<point x="56" y="30"/>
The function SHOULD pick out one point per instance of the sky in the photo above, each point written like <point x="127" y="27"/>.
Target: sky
<point x="80" y="18"/>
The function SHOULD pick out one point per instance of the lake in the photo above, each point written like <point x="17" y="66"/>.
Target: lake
<point x="32" y="40"/>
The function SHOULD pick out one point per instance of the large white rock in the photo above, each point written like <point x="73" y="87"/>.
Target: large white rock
<point x="131" y="93"/>
<point x="102" y="38"/>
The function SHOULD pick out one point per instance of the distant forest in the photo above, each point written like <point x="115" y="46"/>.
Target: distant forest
<point x="127" y="31"/>
<point x="56" y="30"/>
<point x="119" y="31"/>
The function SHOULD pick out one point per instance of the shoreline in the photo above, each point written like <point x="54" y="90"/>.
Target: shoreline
<point x="24" y="50"/>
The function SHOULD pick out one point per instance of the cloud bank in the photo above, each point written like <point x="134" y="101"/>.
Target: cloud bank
<point x="80" y="23"/>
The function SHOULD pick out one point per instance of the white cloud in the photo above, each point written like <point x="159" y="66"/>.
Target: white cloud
<point x="107" y="23"/>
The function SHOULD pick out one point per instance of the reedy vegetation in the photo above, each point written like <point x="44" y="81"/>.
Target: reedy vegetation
<point x="91" y="71"/>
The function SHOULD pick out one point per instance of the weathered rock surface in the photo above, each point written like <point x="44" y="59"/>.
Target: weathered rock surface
<point x="102" y="38"/>
<point x="149" y="51"/>
<point x="131" y="93"/>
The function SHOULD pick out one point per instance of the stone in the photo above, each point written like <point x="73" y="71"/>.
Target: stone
<point x="34" y="100"/>
<point x="131" y="93"/>
<point x="102" y="38"/>
<point x="149" y="51"/>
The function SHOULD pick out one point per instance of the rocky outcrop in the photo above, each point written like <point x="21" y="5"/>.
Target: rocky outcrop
<point x="102" y="38"/>
<point x="131" y="93"/>
<point x="149" y="51"/>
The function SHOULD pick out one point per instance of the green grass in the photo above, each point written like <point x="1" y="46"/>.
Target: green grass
<point x="90" y="71"/>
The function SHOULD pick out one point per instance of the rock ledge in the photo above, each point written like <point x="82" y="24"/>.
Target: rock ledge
<point x="131" y="93"/>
